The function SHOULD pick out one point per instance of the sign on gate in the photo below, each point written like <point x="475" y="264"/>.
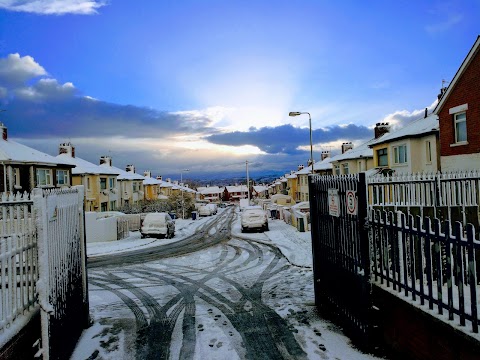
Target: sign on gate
<point x="352" y="205"/>
<point x="333" y="202"/>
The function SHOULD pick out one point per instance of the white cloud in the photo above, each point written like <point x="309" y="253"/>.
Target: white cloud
<point x="400" y="118"/>
<point x="53" y="7"/>
<point x="47" y="89"/>
<point x="16" y="70"/>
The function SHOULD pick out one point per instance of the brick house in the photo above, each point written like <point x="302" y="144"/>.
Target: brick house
<point x="458" y="111"/>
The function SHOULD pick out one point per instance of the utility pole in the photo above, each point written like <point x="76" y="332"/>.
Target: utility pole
<point x="248" y="184"/>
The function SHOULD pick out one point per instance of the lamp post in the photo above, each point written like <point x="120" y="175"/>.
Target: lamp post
<point x="248" y="184"/>
<point x="296" y="113"/>
<point x="181" y="184"/>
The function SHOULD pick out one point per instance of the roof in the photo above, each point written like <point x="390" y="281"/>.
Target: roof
<point x="325" y="164"/>
<point x="260" y="188"/>
<point x="471" y="54"/>
<point x="361" y="151"/>
<point x="238" y="188"/>
<point x="416" y="128"/>
<point x="151" y="181"/>
<point x="12" y="151"/>
<point x="123" y="175"/>
<point x="209" y="190"/>
<point x="84" y="166"/>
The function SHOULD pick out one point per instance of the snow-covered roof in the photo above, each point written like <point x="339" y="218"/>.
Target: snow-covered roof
<point x="123" y="175"/>
<point x="84" y="167"/>
<point x="416" y="128"/>
<point x="209" y="190"/>
<point x="283" y="180"/>
<point x="361" y="151"/>
<point x="260" y="188"/>
<point x="325" y="164"/>
<point x="237" y="188"/>
<point x="151" y="181"/>
<point x="165" y="184"/>
<point x="11" y="151"/>
<point x="292" y="176"/>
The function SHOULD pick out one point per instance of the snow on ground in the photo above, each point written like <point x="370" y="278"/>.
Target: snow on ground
<point x="289" y="293"/>
<point x="183" y="228"/>
<point x="295" y="246"/>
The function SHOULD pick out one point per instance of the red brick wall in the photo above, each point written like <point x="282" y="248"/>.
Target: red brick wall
<point x="466" y="91"/>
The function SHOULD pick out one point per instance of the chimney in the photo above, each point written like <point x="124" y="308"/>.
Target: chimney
<point x="130" y="168"/>
<point x="300" y="167"/>
<point x="325" y="154"/>
<point x="106" y="160"/>
<point x="426" y="113"/>
<point x="380" y="129"/>
<point x="4" y="131"/>
<point x="159" y="178"/>
<point x="346" y="146"/>
<point x="147" y="173"/>
<point x="67" y="148"/>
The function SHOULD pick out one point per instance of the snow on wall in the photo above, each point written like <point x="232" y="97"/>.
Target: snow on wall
<point x="99" y="229"/>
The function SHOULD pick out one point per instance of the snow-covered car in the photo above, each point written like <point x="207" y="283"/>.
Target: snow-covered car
<point x="158" y="225"/>
<point x="254" y="217"/>
<point x="213" y="207"/>
<point x="205" y="210"/>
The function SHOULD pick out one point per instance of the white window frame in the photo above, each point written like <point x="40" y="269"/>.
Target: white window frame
<point x="398" y="159"/>
<point x="382" y="156"/>
<point x="111" y="183"/>
<point x="456" y="122"/>
<point x="63" y="174"/>
<point x="428" y="151"/>
<point x="47" y="176"/>
<point x="345" y="169"/>
<point x="336" y="169"/>
<point x="106" y="183"/>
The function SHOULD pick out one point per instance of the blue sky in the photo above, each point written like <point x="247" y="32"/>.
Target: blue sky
<point x="206" y="85"/>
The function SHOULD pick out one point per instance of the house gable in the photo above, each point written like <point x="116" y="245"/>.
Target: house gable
<point x="462" y="98"/>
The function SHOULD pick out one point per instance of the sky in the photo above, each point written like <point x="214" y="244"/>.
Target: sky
<point x="207" y="85"/>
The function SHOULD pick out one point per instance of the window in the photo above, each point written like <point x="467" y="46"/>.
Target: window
<point x="382" y="157"/>
<point x="337" y="169"/>
<point x="112" y="183"/>
<point x="103" y="183"/>
<point x="135" y="186"/>
<point x="428" y="148"/>
<point x="345" y="168"/>
<point x="103" y="206"/>
<point x="460" y="120"/>
<point x="400" y="154"/>
<point x="361" y="166"/>
<point x="88" y="183"/>
<point x="44" y="177"/>
<point x="16" y="177"/>
<point x="62" y="177"/>
<point x="113" y="205"/>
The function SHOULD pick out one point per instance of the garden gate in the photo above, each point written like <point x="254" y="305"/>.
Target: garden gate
<point x="62" y="286"/>
<point x="340" y="248"/>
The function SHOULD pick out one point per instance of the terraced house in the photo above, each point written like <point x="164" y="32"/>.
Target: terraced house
<point x="23" y="168"/>
<point x="100" y="183"/>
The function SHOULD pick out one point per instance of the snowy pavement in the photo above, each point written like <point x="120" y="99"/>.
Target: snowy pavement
<point x="218" y="303"/>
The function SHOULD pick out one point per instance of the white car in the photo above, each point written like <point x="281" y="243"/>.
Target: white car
<point x="158" y="224"/>
<point x="254" y="217"/>
<point x="205" y="210"/>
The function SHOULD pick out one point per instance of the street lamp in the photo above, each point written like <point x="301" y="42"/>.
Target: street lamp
<point x="181" y="184"/>
<point x="296" y="113"/>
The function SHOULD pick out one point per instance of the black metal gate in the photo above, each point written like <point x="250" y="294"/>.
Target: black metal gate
<point x="340" y="248"/>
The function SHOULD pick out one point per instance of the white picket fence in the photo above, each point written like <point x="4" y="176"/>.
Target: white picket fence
<point x="18" y="262"/>
<point x="436" y="190"/>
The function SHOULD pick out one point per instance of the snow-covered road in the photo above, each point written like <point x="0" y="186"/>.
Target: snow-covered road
<point x="242" y="298"/>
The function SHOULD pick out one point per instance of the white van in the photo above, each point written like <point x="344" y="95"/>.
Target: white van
<point x="158" y="224"/>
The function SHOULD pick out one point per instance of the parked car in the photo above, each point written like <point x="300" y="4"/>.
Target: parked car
<point x="213" y="207"/>
<point x="254" y="217"/>
<point x="205" y="210"/>
<point x="158" y="225"/>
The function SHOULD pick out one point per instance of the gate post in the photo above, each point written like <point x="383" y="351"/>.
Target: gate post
<point x="313" y="199"/>
<point x="363" y="225"/>
<point x="83" y="251"/>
